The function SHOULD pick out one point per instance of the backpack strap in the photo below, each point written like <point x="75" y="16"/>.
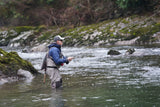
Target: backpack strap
<point x="44" y="63"/>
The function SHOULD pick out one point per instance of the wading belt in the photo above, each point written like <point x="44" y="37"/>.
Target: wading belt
<point x="52" y="67"/>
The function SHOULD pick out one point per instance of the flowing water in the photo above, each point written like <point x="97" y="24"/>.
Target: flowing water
<point x="92" y="79"/>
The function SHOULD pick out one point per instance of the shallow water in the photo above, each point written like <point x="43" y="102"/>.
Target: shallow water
<point x="92" y="79"/>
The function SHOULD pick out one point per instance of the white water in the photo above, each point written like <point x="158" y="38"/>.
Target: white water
<point x="92" y="78"/>
<point x="97" y="60"/>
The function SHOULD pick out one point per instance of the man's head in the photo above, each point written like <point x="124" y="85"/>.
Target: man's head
<point x="58" y="39"/>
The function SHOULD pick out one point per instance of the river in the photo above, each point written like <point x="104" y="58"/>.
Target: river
<point x="92" y="79"/>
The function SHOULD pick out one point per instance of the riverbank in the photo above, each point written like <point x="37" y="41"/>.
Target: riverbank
<point x="123" y="31"/>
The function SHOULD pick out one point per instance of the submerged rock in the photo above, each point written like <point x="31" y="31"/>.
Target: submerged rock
<point x="113" y="52"/>
<point x="25" y="50"/>
<point x="11" y="63"/>
<point x="26" y="74"/>
<point x="130" y="51"/>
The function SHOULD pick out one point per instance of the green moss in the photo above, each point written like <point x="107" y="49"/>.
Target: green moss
<point x="20" y="29"/>
<point x="40" y="28"/>
<point x="11" y="62"/>
<point x="131" y="31"/>
<point x="45" y="36"/>
<point x="134" y="16"/>
<point x="125" y="21"/>
<point x="149" y="30"/>
<point x="124" y="30"/>
<point x="111" y="35"/>
<point x="155" y="28"/>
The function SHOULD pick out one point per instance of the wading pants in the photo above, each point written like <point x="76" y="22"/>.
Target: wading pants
<point x="56" y="79"/>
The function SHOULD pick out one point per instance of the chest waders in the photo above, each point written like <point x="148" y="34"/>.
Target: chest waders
<point x="52" y="70"/>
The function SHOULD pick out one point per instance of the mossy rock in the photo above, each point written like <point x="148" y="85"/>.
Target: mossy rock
<point x="11" y="62"/>
<point x="130" y="51"/>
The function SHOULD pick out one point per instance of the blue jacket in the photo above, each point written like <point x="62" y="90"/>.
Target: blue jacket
<point x="55" y="53"/>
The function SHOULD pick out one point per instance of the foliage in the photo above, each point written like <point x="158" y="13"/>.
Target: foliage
<point x="67" y="12"/>
<point x="136" y="4"/>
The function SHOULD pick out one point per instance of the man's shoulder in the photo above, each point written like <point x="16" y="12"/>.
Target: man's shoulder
<point x="53" y="49"/>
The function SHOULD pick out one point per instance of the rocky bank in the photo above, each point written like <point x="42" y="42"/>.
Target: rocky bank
<point x="123" y="31"/>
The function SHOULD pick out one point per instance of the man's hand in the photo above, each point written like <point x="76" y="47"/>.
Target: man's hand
<point x="70" y="58"/>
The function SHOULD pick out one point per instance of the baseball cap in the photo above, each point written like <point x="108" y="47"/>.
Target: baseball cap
<point x="58" y="37"/>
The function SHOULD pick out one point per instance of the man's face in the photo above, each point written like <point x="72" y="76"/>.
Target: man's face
<point x="60" y="42"/>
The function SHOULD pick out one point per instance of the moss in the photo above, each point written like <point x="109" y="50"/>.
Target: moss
<point x="149" y="30"/>
<point x="117" y="22"/>
<point x="147" y="33"/>
<point x="40" y="28"/>
<point x="20" y="29"/>
<point x="131" y="31"/>
<point x="140" y="31"/>
<point x="125" y="21"/>
<point x="134" y="16"/>
<point x="44" y="36"/>
<point x="129" y="37"/>
<point x="111" y="35"/>
<point x="11" y="62"/>
<point x="124" y="31"/>
<point x="155" y="28"/>
<point x="144" y="39"/>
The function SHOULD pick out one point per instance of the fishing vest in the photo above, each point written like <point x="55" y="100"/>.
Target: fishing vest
<point x="51" y="63"/>
<point x="48" y="62"/>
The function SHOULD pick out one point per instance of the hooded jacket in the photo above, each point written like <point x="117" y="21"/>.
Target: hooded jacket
<point x="56" y="55"/>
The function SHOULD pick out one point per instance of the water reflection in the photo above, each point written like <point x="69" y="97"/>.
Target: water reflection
<point x="56" y="99"/>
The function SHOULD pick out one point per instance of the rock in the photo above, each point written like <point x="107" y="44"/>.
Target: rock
<point x="11" y="62"/>
<point x="25" y="50"/>
<point x="127" y="42"/>
<point x="122" y="31"/>
<point x="130" y="51"/>
<point x="40" y="48"/>
<point x="113" y="52"/>
<point x="157" y="37"/>
<point x="22" y="40"/>
<point x="26" y="74"/>
<point x="4" y="79"/>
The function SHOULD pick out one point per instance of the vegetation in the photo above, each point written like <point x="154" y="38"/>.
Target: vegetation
<point x="69" y="12"/>
<point x="143" y="4"/>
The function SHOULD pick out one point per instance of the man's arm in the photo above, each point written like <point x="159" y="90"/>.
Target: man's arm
<point x="55" y="54"/>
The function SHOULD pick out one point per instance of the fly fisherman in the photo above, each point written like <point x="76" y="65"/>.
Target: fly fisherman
<point x="56" y="59"/>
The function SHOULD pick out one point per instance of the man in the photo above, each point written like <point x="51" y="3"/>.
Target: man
<point x="55" y="60"/>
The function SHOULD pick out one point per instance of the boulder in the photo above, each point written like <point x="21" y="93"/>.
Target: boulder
<point x="40" y="48"/>
<point x="130" y="51"/>
<point x="11" y="63"/>
<point x="113" y="52"/>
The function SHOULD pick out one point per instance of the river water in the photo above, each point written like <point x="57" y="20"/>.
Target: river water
<point x="92" y="79"/>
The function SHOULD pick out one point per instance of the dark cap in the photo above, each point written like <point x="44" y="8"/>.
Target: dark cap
<point x="58" y="37"/>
